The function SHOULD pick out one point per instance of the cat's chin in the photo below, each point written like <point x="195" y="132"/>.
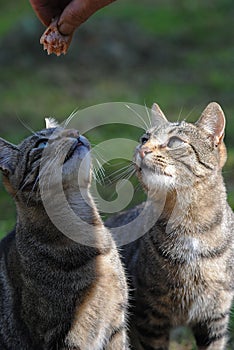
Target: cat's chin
<point x="78" y="166"/>
<point x="156" y="180"/>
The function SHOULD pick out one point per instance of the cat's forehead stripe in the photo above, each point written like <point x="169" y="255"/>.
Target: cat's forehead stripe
<point x="174" y="127"/>
<point x="168" y="128"/>
<point x="45" y="132"/>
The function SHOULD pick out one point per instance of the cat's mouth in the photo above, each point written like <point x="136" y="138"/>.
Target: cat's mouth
<point x="155" y="170"/>
<point x="79" y="143"/>
<point x="154" y="177"/>
<point x="146" y="166"/>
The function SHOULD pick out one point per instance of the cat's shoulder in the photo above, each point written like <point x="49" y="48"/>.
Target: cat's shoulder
<point x="124" y="217"/>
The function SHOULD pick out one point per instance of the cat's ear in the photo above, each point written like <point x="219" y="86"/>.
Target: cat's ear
<point x="157" y="116"/>
<point x="213" y="122"/>
<point x="8" y="156"/>
<point x="51" y="123"/>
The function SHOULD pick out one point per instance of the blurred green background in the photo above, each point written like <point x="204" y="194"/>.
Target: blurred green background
<point x="179" y="54"/>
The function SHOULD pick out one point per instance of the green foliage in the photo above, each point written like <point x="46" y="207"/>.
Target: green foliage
<point x="5" y="226"/>
<point x="228" y="174"/>
<point x="193" y="38"/>
<point x="193" y="66"/>
<point x="11" y="11"/>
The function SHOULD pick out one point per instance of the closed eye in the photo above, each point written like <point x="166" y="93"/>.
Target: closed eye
<point x="175" y="142"/>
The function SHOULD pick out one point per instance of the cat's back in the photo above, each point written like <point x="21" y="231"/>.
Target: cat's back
<point x="10" y="284"/>
<point x="9" y="263"/>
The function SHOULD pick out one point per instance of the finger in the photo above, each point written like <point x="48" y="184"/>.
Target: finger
<point x="77" y="12"/>
<point x="46" y="10"/>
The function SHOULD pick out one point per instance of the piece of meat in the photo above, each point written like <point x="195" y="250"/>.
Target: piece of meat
<point x="68" y="16"/>
<point x="55" y="42"/>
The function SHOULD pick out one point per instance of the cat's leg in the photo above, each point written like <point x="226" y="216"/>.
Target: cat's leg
<point x="150" y="333"/>
<point x="153" y="339"/>
<point x="212" y="334"/>
<point x="118" y="340"/>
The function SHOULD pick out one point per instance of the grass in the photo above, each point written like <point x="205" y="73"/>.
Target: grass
<point x="193" y="66"/>
<point x="197" y="69"/>
<point x="12" y="12"/>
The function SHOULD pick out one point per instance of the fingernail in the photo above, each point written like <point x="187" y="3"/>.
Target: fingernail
<point x="65" y="29"/>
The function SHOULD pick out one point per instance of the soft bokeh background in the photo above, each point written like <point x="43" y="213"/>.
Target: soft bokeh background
<point x="177" y="53"/>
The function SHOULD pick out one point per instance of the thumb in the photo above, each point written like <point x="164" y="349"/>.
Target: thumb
<point x="77" y="12"/>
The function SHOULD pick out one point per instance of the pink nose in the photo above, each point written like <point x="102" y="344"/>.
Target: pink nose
<point x="143" y="151"/>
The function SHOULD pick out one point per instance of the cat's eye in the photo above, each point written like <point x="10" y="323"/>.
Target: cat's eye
<point x="144" y="139"/>
<point x="175" y="142"/>
<point x="42" y="144"/>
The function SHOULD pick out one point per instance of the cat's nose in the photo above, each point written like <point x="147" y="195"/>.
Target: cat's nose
<point x="144" y="150"/>
<point x="83" y="141"/>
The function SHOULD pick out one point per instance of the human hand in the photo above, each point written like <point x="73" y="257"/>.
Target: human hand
<point x="63" y="17"/>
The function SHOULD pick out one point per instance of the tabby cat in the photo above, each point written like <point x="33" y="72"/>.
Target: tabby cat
<point x="55" y="292"/>
<point x="182" y="269"/>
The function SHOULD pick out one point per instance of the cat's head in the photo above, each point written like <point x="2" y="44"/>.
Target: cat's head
<point x="42" y="160"/>
<point x="178" y="154"/>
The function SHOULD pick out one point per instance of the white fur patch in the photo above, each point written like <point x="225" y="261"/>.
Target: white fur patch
<point x="156" y="181"/>
<point x="51" y="123"/>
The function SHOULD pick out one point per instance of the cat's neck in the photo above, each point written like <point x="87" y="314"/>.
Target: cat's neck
<point x="63" y="217"/>
<point x="194" y="207"/>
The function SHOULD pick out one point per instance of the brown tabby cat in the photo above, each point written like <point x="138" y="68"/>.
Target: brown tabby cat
<point x="182" y="269"/>
<point x="57" y="293"/>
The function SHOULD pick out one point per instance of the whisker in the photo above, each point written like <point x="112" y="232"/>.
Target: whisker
<point x="26" y="181"/>
<point x="138" y="188"/>
<point x="95" y="176"/>
<point x="49" y="168"/>
<point x="118" y="170"/>
<point x="21" y="187"/>
<point x="146" y="127"/>
<point x="189" y="114"/>
<point x="99" y="155"/>
<point x="98" y="177"/>
<point x="101" y="169"/>
<point x="130" y="174"/>
<point x="118" y="164"/>
<point x="59" y="150"/>
<point x="32" y="190"/>
<point x="99" y="172"/>
<point x="122" y="175"/>
<point x="180" y="114"/>
<point x="70" y="117"/>
<point x="26" y="125"/>
<point x="227" y="171"/>
<point x="148" y="115"/>
<point x="121" y="181"/>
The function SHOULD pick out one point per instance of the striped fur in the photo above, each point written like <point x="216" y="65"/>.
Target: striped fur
<point x="56" y="293"/>
<point x="182" y="268"/>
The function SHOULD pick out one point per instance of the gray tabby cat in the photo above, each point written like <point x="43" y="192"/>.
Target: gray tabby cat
<point x="182" y="269"/>
<point x="56" y="293"/>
